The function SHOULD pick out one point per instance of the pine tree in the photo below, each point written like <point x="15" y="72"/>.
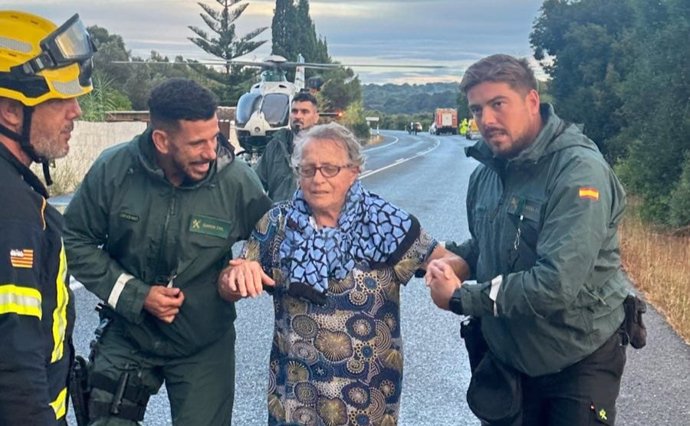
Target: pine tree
<point x="225" y="44"/>
<point x="281" y="28"/>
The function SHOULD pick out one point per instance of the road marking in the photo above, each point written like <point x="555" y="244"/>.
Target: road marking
<point x="374" y="148"/>
<point x="399" y="161"/>
<point x="76" y="285"/>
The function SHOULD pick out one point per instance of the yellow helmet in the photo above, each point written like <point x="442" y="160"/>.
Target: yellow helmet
<point x="40" y="61"/>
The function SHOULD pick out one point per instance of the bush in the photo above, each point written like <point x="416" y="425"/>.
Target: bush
<point x="679" y="203"/>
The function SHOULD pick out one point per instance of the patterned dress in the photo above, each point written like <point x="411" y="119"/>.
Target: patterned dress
<point x="341" y="363"/>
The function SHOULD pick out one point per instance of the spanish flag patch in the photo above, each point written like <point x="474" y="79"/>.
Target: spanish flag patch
<point x="23" y="258"/>
<point x="589" y="193"/>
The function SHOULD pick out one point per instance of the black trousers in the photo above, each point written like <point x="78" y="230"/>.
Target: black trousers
<point x="583" y="394"/>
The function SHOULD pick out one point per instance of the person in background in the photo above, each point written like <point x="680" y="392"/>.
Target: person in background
<point x="335" y="258"/>
<point x="543" y="209"/>
<point x="43" y="70"/>
<point x="148" y="232"/>
<point x="273" y="168"/>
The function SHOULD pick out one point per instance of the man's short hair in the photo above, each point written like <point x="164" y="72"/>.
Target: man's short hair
<point x="305" y="97"/>
<point x="180" y="99"/>
<point x="500" y="69"/>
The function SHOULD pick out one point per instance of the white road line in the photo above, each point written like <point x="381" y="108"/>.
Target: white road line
<point x="400" y="161"/>
<point x="374" y="148"/>
<point x="76" y="285"/>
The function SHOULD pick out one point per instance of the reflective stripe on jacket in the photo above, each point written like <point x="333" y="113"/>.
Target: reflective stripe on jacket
<point x="546" y="221"/>
<point x="36" y="308"/>
<point x="152" y="232"/>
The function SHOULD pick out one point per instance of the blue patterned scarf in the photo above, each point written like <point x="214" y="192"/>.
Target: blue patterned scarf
<point x="369" y="230"/>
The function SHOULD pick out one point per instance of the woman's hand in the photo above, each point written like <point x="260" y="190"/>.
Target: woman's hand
<point x="242" y="278"/>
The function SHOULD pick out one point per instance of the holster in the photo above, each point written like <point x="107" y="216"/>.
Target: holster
<point x="633" y="326"/>
<point x="79" y="390"/>
<point x="471" y="332"/>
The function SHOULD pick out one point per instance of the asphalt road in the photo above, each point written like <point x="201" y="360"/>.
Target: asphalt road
<point x="427" y="175"/>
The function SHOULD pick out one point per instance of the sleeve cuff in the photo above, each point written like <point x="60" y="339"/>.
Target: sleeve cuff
<point x="455" y="302"/>
<point x="475" y="300"/>
<point x="130" y="303"/>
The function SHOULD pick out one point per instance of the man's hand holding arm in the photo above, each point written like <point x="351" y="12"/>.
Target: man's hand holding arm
<point x="445" y="272"/>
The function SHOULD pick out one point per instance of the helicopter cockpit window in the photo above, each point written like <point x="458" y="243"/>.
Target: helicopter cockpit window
<point x="273" y="75"/>
<point x="276" y="108"/>
<point x="246" y="105"/>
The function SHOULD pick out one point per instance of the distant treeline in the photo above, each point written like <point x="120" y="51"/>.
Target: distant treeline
<point x="410" y="98"/>
<point x="622" y="68"/>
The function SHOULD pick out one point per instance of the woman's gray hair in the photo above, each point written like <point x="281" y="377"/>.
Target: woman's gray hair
<point x="332" y="132"/>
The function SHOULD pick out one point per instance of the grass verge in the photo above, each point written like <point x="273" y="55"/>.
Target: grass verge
<point x="658" y="263"/>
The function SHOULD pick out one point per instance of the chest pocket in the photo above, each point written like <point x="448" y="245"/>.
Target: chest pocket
<point x="525" y="215"/>
<point x="207" y="231"/>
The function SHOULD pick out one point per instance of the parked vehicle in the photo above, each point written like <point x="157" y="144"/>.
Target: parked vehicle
<point x="414" y="127"/>
<point x="446" y="121"/>
<point x="472" y="130"/>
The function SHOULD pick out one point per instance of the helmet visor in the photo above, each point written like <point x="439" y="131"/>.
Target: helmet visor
<point x="69" y="43"/>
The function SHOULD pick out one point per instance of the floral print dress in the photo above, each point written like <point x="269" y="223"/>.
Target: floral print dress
<point x="340" y="363"/>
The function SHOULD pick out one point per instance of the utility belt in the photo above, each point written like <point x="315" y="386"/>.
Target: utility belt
<point x="495" y="391"/>
<point x="130" y="397"/>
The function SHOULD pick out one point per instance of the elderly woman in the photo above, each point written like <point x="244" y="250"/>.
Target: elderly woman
<point x="333" y="258"/>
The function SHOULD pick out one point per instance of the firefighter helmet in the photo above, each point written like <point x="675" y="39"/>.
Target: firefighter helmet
<point x="40" y="61"/>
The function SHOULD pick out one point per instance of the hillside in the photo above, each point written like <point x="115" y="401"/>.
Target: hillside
<point x="409" y="98"/>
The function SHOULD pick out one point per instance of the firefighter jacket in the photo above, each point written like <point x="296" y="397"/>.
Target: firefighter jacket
<point x="36" y="310"/>
<point x="544" y="246"/>
<point x="274" y="167"/>
<point x="128" y="228"/>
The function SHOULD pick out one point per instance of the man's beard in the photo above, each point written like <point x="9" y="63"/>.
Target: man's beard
<point x="49" y="149"/>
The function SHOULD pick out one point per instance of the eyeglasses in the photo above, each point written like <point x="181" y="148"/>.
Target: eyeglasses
<point x="327" y="170"/>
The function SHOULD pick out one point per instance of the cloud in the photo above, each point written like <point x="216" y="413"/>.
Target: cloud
<point x="451" y="32"/>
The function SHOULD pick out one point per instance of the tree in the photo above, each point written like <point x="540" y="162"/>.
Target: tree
<point x="102" y="99"/>
<point x="283" y="24"/>
<point x="657" y="102"/>
<point x="227" y="45"/>
<point x="579" y="45"/>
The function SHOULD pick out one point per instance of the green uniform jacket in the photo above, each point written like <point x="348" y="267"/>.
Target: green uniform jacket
<point x="562" y="287"/>
<point x="128" y="228"/>
<point x="274" y="168"/>
<point x="36" y="307"/>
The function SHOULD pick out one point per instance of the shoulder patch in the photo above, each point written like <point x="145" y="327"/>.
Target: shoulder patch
<point x="589" y="193"/>
<point x="22" y="258"/>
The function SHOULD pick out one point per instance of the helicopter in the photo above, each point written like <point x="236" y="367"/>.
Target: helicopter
<point x="265" y="108"/>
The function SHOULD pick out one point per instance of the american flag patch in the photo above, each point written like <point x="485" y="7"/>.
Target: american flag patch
<point x="22" y="258"/>
<point x="590" y="193"/>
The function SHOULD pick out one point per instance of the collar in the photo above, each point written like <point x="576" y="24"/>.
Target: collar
<point x="29" y="177"/>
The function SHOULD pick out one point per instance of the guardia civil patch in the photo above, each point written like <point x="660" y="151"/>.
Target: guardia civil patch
<point x="22" y="258"/>
<point x="602" y="414"/>
<point x="589" y="193"/>
<point x="209" y="226"/>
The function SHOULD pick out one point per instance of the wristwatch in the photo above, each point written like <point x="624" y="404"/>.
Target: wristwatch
<point x="455" y="304"/>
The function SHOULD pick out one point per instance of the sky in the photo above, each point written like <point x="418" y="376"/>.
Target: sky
<point x="452" y="33"/>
